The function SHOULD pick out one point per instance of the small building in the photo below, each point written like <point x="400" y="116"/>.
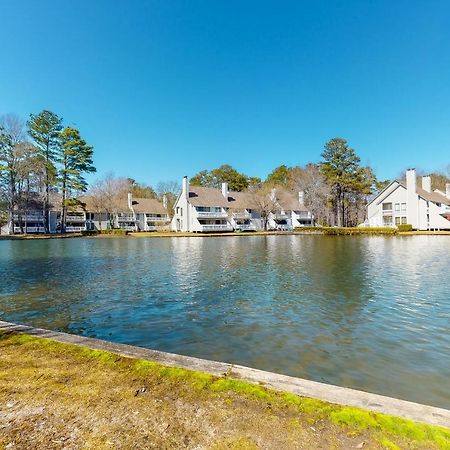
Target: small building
<point x="410" y="203"/>
<point x="201" y="209"/>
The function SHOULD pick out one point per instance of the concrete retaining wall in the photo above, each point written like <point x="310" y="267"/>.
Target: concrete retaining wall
<point x="298" y="386"/>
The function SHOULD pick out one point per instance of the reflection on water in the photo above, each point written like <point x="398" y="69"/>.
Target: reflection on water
<point x="371" y="313"/>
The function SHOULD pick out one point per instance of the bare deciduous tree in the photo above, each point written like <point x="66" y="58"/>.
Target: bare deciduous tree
<point x="265" y="202"/>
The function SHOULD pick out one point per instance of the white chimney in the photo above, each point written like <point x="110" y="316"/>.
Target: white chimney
<point x="412" y="199"/>
<point x="426" y="183"/>
<point x="273" y="194"/>
<point x="225" y="190"/>
<point x="185" y="187"/>
<point x="301" y="197"/>
<point x="130" y="201"/>
<point x="447" y="190"/>
<point x="164" y="201"/>
<point x="411" y="180"/>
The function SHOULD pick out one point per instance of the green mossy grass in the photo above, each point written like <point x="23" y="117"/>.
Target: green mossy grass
<point x="384" y="427"/>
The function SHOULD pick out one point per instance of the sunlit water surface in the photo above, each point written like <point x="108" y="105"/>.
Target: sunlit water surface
<point x="372" y="313"/>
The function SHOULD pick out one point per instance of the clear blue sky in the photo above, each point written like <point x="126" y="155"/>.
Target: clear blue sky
<point x="168" y="87"/>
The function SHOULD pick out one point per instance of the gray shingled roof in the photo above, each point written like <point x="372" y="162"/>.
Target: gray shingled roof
<point x="206" y="196"/>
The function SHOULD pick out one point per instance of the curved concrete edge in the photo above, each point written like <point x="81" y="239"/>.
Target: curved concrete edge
<point x="298" y="386"/>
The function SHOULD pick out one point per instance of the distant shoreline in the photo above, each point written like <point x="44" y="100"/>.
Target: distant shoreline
<point x="164" y="234"/>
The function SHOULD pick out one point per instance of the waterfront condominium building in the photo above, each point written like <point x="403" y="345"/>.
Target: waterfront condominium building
<point x="205" y="209"/>
<point x="125" y="212"/>
<point x="411" y="203"/>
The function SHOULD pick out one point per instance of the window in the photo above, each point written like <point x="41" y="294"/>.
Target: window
<point x="397" y="206"/>
<point x="403" y="206"/>
<point x="387" y="221"/>
<point x="404" y="221"/>
<point x="397" y="221"/>
<point x="387" y="206"/>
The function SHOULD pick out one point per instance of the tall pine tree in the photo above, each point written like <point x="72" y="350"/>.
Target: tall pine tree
<point x="45" y="128"/>
<point x="76" y="160"/>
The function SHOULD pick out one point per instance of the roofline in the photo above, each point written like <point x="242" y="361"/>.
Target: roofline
<point x="381" y="192"/>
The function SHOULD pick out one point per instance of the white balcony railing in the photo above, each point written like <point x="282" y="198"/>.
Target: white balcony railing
<point x="245" y="227"/>
<point x="70" y="229"/>
<point x="212" y="214"/>
<point x="126" y="218"/>
<point x="75" y="218"/>
<point x="280" y="216"/>
<point x="303" y="215"/>
<point x="216" y="227"/>
<point x="32" y="217"/>
<point x="157" y="219"/>
<point x="128" y="227"/>
<point x="29" y="230"/>
<point x="242" y="215"/>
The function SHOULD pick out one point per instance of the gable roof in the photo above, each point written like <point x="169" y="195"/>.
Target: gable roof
<point x="290" y="202"/>
<point x="148" y="205"/>
<point x="241" y="200"/>
<point x="435" y="197"/>
<point x="206" y="196"/>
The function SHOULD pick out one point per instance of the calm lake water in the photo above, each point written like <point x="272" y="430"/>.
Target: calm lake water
<point x="372" y="313"/>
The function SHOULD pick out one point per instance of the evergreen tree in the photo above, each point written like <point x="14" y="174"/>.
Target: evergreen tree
<point x="76" y="160"/>
<point x="341" y="167"/>
<point x="45" y="128"/>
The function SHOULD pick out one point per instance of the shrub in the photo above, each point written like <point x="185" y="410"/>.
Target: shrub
<point x="405" y="227"/>
<point x="349" y="231"/>
<point x="115" y="232"/>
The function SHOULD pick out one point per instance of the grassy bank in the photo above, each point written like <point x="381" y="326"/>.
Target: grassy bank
<point x="55" y="395"/>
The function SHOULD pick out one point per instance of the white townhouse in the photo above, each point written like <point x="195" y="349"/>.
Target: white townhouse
<point x="29" y="216"/>
<point x="290" y="211"/>
<point x="243" y="212"/>
<point x="204" y="209"/>
<point x="201" y="209"/>
<point x="128" y="213"/>
<point x="412" y="204"/>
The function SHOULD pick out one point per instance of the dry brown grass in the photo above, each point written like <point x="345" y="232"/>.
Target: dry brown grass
<point x="59" y="396"/>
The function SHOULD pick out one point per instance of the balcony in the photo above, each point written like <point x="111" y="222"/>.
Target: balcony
<point x="29" y="230"/>
<point x="150" y="218"/>
<point x="303" y="215"/>
<point x="126" y="218"/>
<point x="75" y="218"/>
<point x="30" y="217"/>
<point x="216" y="227"/>
<point x="70" y="229"/>
<point x="245" y="227"/>
<point x="128" y="227"/>
<point x="211" y="214"/>
<point x="281" y="216"/>
<point x="242" y="215"/>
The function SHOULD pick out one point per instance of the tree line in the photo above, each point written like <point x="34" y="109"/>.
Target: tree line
<point x="41" y="155"/>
